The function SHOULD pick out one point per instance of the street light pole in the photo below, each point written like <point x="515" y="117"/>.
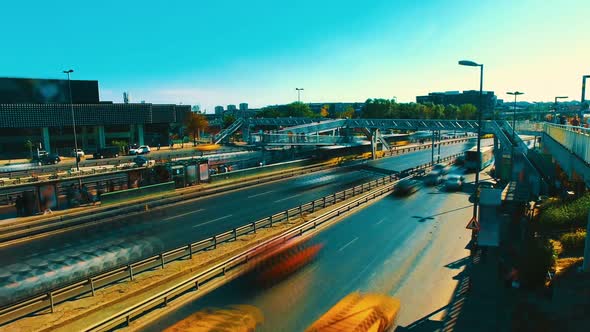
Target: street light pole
<point x="583" y="99"/>
<point x="299" y="94"/>
<point x="479" y="114"/>
<point x="515" y="94"/>
<point x="68" y="72"/>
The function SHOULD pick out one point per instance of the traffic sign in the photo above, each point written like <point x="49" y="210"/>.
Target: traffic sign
<point x="473" y="224"/>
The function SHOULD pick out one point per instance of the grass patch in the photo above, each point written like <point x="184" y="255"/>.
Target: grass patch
<point x="573" y="241"/>
<point x="557" y="215"/>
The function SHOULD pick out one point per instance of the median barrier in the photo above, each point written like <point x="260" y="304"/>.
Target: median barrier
<point x="117" y="196"/>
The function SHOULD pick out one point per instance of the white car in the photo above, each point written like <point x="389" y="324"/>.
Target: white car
<point x="78" y="152"/>
<point x="143" y="149"/>
<point x="454" y="182"/>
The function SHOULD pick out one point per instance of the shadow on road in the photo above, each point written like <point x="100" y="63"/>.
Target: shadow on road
<point x="458" y="263"/>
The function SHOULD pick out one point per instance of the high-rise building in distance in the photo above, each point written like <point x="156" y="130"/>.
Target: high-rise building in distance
<point x="243" y="106"/>
<point x="219" y="110"/>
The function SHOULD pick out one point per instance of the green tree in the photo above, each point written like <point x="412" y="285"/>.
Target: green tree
<point x="120" y="144"/>
<point x="451" y="112"/>
<point x="196" y="123"/>
<point x="269" y="112"/>
<point x="297" y="110"/>
<point x="467" y="112"/>
<point x="348" y="113"/>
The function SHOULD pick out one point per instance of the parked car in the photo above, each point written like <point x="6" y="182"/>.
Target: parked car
<point x="454" y="182"/>
<point x="433" y="178"/>
<point x="47" y="159"/>
<point x="406" y="187"/>
<point x="77" y="153"/>
<point x="140" y="150"/>
<point x="107" y="152"/>
<point x="141" y="161"/>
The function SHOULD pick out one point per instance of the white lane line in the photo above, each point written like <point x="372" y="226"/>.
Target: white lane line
<point x="264" y="193"/>
<point x="287" y="198"/>
<point x="349" y="243"/>
<point x="214" y="220"/>
<point x="380" y="221"/>
<point x="183" y="214"/>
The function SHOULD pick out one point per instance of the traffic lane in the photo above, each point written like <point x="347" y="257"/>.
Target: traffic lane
<point x="376" y="249"/>
<point x="188" y="214"/>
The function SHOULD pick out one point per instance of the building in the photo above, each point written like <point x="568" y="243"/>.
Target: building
<point x="243" y="106"/>
<point x="219" y="110"/>
<point x="38" y="110"/>
<point x="231" y="108"/>
<point x="459" y="98"/>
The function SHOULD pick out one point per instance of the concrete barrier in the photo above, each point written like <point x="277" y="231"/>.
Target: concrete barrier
<point x="117" y="196"/>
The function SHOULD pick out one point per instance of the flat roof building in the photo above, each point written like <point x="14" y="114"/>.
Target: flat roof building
<point x="39" y="110"/>
<point x="459" y="98"/>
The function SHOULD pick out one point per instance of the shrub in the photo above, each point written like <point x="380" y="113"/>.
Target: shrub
<point x="538" y="258"/>
<point x="574" y="214"/>
<point x="573" y="241"/>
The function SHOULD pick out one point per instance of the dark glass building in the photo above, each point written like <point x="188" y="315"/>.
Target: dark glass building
<point x="459" y="98"/>
<point x="39" y="110"/>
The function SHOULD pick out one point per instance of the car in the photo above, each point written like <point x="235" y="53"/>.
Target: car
<point x="143" y="149"/>
<point x="141" y="161"/>
<point x="107" y="152"/>
<point x="433" y="178"/>
<point x="406" y="187"/>
<point x="442" y="168"/>
<point x="486" y="184"/>
<point x="77" y="153"/>
<point x="454" y="182"/>
<point x="47" y="159"/>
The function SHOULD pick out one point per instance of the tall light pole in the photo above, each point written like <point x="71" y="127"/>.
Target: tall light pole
<point x="68" y="72"/>
<point x="556" y="98"/>
<point x="515" y="94"/>
<point x="583" y="99"/>
<point x="299" y="94"/>
<point x="479" y="113"/>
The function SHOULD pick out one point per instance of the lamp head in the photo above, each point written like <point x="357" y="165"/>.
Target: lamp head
<point x="469" y="63"/>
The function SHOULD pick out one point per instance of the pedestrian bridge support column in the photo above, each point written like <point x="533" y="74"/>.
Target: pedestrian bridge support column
<point x="140" y="137"/>
<point x="373" y="138"/>
<point x="101" y="140"/>
<point x="46" y="143"/>
<point x="586" y="264"/>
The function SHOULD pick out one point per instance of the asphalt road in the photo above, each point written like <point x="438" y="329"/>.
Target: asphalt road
<point x="78" y="253"/>
<point x="410" y="247"/>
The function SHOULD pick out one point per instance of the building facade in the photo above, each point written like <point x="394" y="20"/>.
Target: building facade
<point x="219" y="110"/>
<point x="459" y="98"/>
<point x="41" y="113"/>
<point x="243" y="106"/>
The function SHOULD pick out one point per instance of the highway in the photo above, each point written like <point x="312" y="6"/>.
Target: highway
<point x="52" y="261"/>
<point x="408" y="247"/>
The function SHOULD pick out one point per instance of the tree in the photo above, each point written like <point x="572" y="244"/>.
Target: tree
<point x="467" y="112"/>
<point x="451" y="112"/>
<point x="325" y="111"/>
<point x="297" y="110"/>
<point x="195" y="123"/>
<point x="348" y="113"/>
<point x="196" y="109"/>
<point x="269" y="112"/>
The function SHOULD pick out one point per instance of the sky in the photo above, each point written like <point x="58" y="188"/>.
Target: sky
<point x="258" y="51"/>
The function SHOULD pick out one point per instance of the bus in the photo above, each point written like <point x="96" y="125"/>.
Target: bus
<point x="280" y="262"/>
<point x="472" y="160"/>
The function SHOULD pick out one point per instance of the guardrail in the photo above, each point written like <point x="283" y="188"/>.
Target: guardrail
<point x="574" y="139"/>
<point x="47" y="300"/>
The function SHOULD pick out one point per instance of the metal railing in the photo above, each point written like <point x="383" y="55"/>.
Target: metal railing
<point x="574" y="139"/>
<point x="298" y="139"/>
<point x="48" y="299"/>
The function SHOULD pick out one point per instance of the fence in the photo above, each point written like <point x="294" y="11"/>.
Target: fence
<point x="575" y="139"/>
<point x="48" y="299"/>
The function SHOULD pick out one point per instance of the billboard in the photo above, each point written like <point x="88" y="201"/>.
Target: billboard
<point x="44" y="91"/>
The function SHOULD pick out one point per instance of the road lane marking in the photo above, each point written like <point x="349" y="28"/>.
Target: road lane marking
<point x="183" y="214"/>
<point x="349" y="243"/>
<point x="380" y="221"/>
<point x="264" y="193"/>
<point x="286" y="198"/>
<point x="214" y="220"/>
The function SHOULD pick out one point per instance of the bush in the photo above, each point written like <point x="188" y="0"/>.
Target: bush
<point x="538" y="258"/>
<point x="573" y="241"/>
<point x="574" y="214"/>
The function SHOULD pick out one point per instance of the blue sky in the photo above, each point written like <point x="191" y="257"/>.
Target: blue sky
<point x="258" y="51"/>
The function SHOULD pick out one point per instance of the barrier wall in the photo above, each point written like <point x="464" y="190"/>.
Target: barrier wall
<point x="117" y="196"/>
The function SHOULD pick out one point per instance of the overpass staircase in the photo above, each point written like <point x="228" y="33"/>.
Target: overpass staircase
<point x="228" y="131"/>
